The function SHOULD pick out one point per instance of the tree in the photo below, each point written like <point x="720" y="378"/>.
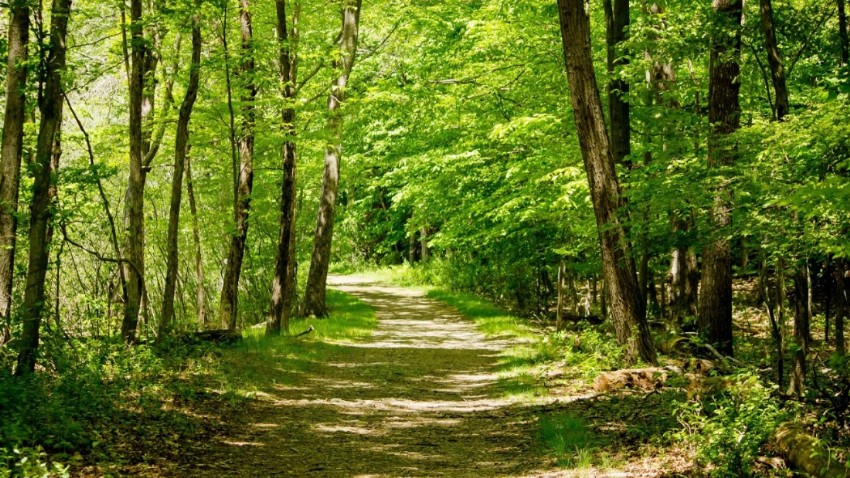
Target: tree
<point x="10" y="154"/>
<point x="134" y="202"/>
<point x="617" y="21"/>
<point x="628" y="310"/>
<point x="283" y="283"/>
<point x="314" y="297"/>
<point x="41" y="211"/>
<point x="228" y="311"/>
<point x="724" y="115"/>
<point x="181" y="151"/>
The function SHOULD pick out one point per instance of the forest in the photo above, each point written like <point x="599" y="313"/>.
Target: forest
<point x="424" y="238"/>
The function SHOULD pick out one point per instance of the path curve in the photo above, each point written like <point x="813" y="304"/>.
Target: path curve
<point x="421" y="397"/>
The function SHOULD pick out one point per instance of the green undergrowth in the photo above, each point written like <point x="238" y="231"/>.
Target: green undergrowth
<point x="100" y="401"/>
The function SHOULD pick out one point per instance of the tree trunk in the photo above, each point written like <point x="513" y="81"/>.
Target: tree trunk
<point x="627" y="308"/>
<point x="196" y="235"/>
<point x="617" y="20"/>
<point x="684" y="275"/>
<point x="842" y="33"/>
<point x="134" y="200"/>
<point x="314" y="297"/>
<point x="228" y="310"/>
<point x="841" y="273"/>
<point x="12" y="146"/>
<point x="724" y="111"/>
<point x="283" y="284"/>
<point x="423" y="242"/>
<point x="181" y="151"/>
<point x="50" y="106"/>
<point x="774" y="59"/>
<point x="801" y="333"/>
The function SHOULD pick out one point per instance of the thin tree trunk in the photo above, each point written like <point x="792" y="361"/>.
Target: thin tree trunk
<point x="425" y="255"/>
<point x="314" y="297"/>
<point x="12" y="145"/>
<point x="842" y="32"/>
<point x="559" y="311"/>
<point x="724" y="111"/>
<point x="774" y="59"/>
<point x="801" y="333"/>
<point x="283" y="284"/>
<point x="841" y="273"/>
<point x="627" y="308"/>
<point x="181" y="150"/>
<point x="134" y="200"/>
<point x="50" y="106"/>
<point x="196" y="235"/>
<point x="775" y="325"/>
<point x="228" y="307"/>
<point x="617" y="21"/>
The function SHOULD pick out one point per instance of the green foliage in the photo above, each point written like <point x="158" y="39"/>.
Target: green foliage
<point x="729" y="429"/>
<point x="29" y="463"/>
<point x="568" y="438"/>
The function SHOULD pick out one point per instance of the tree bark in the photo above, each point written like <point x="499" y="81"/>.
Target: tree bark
<point x="801" y="333"/>
<point x="314" y="297"/>
<point x="181" y="151"/>
<point x="626" y="307"/>
<point x="842" y="32"/>
<point x="228" y="307"/>
<point x="774" y="59"/>
<point x="134" y="200"/>
<point x="196" y="235"/>
<point x="50" y="107"/>
<point x="841" y="272"/>
<point x="617" y="20"/>
<point x="12" y="147"/>
<point x="724" y="111"/>
<point x="283" y="284"/>
<point x="684" y="275"/>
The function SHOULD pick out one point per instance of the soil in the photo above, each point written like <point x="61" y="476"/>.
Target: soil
<point x="419" y="398"/>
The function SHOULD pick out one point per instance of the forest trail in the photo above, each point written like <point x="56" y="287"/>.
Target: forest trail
<point x="419" y="398"/>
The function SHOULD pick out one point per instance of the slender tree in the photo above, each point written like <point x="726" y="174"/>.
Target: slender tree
<point x="774" y="60"/>
<point x="843" y="38"/>
<point x="283" y="284"/>
<point x="724" y="114"/>
<point x="617" y="21"/>
<point x="314" y="297"/>
<point x="228" y="311"/>
<point x="11" y="149"/>
<point x="134" y="200"/>
<point x="627" y="308"/>
<point x="50" y="107"/>
<point x="196" y="236"/>
<point x="181" y="151"/>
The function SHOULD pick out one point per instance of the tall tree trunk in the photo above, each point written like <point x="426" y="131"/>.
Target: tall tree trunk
<point x="228" y="310"/>
<point x="314" y="297"/>
<point x="283" y="284"/>
<point x="842" y="32"/>
<point x="724" y="115"/>
<point x="801" y="332"/>
<point x="196" y="235"/>
<point x="841" y="273"/>
<point x="50" y="106"/>
<point x="617" y="20"/>
<point x="774" y="59"/>
<point x="181" y="151"/>
<point x="684" y="275"/>
<point x="134" y="201"/>
<point x="12" y="146"/>
<point x="626" y="306"/>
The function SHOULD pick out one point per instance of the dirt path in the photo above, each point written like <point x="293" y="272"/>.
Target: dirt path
<point x="420" y="398"/>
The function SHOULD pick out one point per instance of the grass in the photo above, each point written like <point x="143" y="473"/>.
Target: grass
<point x="102" y="402"/>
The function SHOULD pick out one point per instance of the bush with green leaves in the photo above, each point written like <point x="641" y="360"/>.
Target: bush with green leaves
<point x="728" y="430"/>
<point x="29" y="463"/>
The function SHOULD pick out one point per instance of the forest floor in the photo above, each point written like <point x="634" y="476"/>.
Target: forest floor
<point x="424" y="395"/>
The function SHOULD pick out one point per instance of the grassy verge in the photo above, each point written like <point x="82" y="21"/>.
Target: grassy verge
<point x="99" y="401"/>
